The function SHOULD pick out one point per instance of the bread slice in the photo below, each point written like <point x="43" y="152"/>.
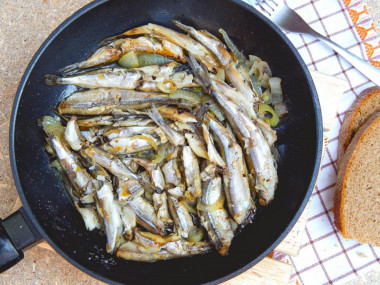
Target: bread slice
<point x="365" y="105"/>
<point x="357" y="195"/>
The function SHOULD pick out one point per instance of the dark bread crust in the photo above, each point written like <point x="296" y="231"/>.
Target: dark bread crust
<point x="347" y="162"/>
<point x="347" y="132"/>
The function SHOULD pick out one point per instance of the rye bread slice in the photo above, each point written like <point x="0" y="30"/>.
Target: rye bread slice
<point x="364" y="106"/>
<point x="357" y="194"/>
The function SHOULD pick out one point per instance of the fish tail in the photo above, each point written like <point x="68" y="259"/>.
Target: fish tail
<point x="70" y="68"/>
<point x="52" y="79"/>
<point x="200" y="71"/>
<point x="181" y="26"/>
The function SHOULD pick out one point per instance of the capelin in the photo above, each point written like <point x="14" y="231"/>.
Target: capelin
<point x="184" y="41"/>
<point x="76" y="172"/>
<point x="114" y="165"/>
<point x="128" y="218"/>
<point x="236" y="181"/>
<point x="181" y="216"/>
<point x="174" y="137"/>
<point x="146" y="216"/>
<point x="214" y="217"/>
<point x="110" y="212"/>
<point x="105" y="100"/>
<point x="106" y="54"/>
<point x="192" y="173"/>
<point x="160" y="204"/>
<point x="154" y="171"/>
<point x="248" y="133"/>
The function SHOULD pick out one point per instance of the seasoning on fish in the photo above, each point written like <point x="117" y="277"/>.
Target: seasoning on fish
<point x="214" y="217"/>
<point x="105" y="100"/>
<point x="237" y="190"/>
<point x="167" y="159"/>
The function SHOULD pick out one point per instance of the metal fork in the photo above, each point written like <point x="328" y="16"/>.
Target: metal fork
<point x="288" y="20"/>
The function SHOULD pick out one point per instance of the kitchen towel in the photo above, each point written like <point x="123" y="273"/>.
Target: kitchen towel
<point x="325" y="256"/>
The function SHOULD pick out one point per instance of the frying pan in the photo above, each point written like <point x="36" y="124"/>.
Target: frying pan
<point x="47" y="211"/>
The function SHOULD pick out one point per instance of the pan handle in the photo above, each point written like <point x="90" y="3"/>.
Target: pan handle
<point x="17" y="233"/>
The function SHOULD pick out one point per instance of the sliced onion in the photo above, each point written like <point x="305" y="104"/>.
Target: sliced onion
<point x="265" y="80"/>
<point x="276" y="90"/>
<point x="168" y="86"/>
<point x="161" y="154"/>
<point x="264" y="66"/>
<point x="195" y="234"/>
<point x="253" y="59"/>
<point x="186" y="94"/>
<point x="129" y="60"/>
<point x="48" y="120"/>
<point x="146" y="59"/>
<point x="256" y="85"/>
<point x="214" y="107"/>
<point x="49" y="150"/>
<point x="267" y="96"/>
<point x="281" y="109"/>
<point x="265" y="110"/>
<point x="55" y="164"/>
<point x="148" y="139"/>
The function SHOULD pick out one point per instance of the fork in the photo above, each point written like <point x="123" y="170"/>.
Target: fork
<point x="288" y="20"/>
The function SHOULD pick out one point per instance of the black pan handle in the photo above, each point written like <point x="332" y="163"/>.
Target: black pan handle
<point x="17" y="233"/>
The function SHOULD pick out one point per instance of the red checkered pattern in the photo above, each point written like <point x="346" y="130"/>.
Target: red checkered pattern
<point x="325" y="256"/>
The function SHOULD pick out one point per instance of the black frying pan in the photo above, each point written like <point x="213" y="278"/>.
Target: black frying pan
<point x="47" y="211"/>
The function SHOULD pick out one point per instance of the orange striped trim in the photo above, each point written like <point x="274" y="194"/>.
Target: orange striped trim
<point x="362" y="31"/>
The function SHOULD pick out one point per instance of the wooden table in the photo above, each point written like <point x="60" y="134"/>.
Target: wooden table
<point x="24" y="25"/>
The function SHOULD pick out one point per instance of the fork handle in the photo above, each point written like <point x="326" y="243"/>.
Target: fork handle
<point x="367" y="69"/>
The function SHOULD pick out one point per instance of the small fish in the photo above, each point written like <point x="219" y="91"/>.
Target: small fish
<point x="220" y="51"/>
<point x="187" y="43"/>
<point x="77" y="174"/>
<point x="171" y="173"/>
<point x="213" y="154"/>
<point x="197" y="145"/>
<point x="237" y="190"/>
<point x="128" y="217"/>
<point x="105" y="100"/>
<point x="109" y="210"/>
<point x="215" y="218"/>
<point x="127" y="145"/>
<point x="154" y="171"/>
<point x="174" y="137"/>
<point x="160" y="204"/>
<point x="114" y="165"/>
<point x="127" y="132"/>
<point x="176" y="115"/>
<point x="192" y="174"/>
<point x="146" y="216"/>
<point x="103" y="78"/>
<point x="181" y="216"/>
<point x="138" y="252"/>
<point x="250" y="136"/>
<point x="128" y="188"/>
<point x="116" y="49"/>
<point x="106" y="54"/>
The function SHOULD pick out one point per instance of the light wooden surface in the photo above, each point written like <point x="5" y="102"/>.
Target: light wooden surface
<point x="24" y="25"/>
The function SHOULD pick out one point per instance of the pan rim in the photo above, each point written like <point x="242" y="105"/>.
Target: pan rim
<point x="84" y="10"/>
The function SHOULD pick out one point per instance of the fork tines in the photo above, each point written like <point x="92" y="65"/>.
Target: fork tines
<point x="266" y="6"/>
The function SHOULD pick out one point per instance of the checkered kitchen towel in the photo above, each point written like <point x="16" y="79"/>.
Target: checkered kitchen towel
<point x="326" y="257"/>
